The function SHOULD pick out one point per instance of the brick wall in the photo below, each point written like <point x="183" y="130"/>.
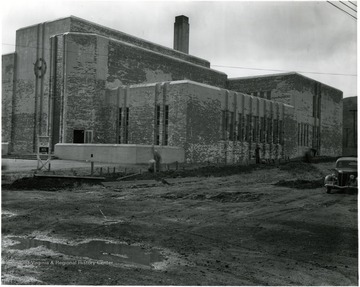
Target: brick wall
<point x="304" y="94"/>
<point x="8" y="73"/>
<point x="350" y="126"/>
<point x="46" y="41"/>
<point x="129" y="64"/>
<point x="81" y="25"/>
<point x="196" y="121"/>
<point x="30" y="105"/>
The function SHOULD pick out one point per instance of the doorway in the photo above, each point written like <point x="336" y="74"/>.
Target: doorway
<point x="78" y="136"/>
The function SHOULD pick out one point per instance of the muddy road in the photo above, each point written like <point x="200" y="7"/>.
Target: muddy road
<point x="239" y="229"/>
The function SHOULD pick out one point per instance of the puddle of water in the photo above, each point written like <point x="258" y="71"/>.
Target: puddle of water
<point x="5" y="213"/>
<point x="96" y="249"/>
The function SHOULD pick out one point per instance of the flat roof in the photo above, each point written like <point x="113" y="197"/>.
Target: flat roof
<point x="281" y="74"/>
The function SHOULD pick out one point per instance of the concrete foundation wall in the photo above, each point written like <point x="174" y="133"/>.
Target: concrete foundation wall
<point x="118" y="153"/>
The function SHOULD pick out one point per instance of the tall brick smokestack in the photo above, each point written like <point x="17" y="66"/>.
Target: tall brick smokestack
<point x="181" y="34"/>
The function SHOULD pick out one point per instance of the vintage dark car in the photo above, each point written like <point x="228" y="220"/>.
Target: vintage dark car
<point x="345" y="175"/>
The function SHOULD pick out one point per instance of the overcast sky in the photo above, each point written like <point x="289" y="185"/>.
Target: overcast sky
<point x="255" y="38"/>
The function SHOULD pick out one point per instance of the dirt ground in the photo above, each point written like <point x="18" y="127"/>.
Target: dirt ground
<point x="253" y="226"/>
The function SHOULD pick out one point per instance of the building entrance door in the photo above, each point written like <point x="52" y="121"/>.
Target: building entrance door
<point x="78" y="136"/>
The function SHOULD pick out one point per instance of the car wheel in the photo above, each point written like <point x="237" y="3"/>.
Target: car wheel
<point x="328" y="189"/>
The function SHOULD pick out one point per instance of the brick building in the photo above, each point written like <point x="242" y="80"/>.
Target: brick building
<point x="81" y="82"/>
<point x="350" y="126"/>
<point x="318" y="108"/>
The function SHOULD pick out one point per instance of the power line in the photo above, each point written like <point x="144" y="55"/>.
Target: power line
<point x="341" y="9"/>
<point x="247" y="68"/>
<point x="348" y="6"/>
<point x="352" y="3"/>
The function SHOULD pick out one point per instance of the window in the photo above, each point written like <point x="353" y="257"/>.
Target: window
<point x="158" y="112"/>
<point x="276" y="135"/>
<point x="314" y="136"/>
<point x="269" y="130"/>
<point x="166" y="126"/>
<point x="240" y="128"/>
<point x="126" y="126"/>
<point x="262" y="95"/>
<point x="281" y="135"/>
<point x="262" y="129"/>
<point x="119" y="124"/>
<point x="166" y="115"/>
<point x="157" y="139"/>
<point x="231" y="127"/>
<point x="307" y="134"/>
<point x="299" y="134"/>
<point x="256" y="128"/>
<point x="247" y="128"/>
<point x="224" y="125"/>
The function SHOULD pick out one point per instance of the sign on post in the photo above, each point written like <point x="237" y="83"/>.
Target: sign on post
<point x="43" y="149"/>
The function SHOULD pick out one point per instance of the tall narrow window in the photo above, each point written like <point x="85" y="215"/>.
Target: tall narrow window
<point x="127" y="126"/>
<point x="307" y="134"/>
<point x="247" y="128"/>
<point x="276" y="130"/>
<point x="255" y="128"/>
<point x="224" y="125"/>
<point x="166" y="115"/>
<point x="314" y="136"/>
<point x="299" y="134"/>
<point x="157" y="128"/>
<point x="231" y="127"/>
<point x="240" y="128"/>
<point x="281" y="135"/>
<point x="262" y="95"/>
<point x="262" y="129"/>
<point x="166" y="135"/>
<point x="119" y="124"/>
<point x="158" y="112"/>
<point x="269" y="130"/>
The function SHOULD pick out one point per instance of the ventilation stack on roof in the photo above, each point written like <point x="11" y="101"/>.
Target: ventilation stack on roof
<point x="181" y="34"/>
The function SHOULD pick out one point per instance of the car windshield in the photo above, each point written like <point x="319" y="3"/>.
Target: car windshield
<point x="347" y="163"/>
